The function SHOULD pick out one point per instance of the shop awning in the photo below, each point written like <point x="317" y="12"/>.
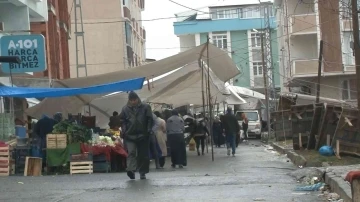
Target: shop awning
<point x="23" y="92"/>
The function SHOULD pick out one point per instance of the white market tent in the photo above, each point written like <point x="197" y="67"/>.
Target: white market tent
<point x="221" y="65"/>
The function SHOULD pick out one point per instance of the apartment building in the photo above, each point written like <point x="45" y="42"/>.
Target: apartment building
<point x="235" y="28"/>
<point x="301" y="27"/>
<point x="113" y="33"/>
<point x="56" y="31"/>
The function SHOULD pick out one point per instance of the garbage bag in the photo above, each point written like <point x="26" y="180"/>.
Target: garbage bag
<point x="192" y="145"/>
<point x="326" y="151"/>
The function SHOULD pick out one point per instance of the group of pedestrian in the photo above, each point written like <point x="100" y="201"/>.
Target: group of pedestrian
<point x="146" y="134"/>
<point x="226" y="129"/>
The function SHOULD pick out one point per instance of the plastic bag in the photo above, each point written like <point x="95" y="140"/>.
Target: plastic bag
<point x="326" y="151"/>
<point x="192" y="145"/>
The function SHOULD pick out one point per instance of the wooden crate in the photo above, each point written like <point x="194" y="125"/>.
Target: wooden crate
<point x="85" y="167"/>
<point x="5" y="158"/>
<point x="33" y="166"/>
<point x="56" y="141"/>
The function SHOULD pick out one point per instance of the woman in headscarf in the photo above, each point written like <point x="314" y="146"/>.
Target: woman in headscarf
<point x="175" y="128"/>
<point x="160" y="133"/>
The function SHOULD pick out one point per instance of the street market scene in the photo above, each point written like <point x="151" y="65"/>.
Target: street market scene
<point x="179" y="100"/>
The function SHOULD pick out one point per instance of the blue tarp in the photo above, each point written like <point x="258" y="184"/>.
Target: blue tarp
<point x="23" y="92"/>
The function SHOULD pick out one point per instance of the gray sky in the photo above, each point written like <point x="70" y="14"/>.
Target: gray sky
<point x="160" y="33"/>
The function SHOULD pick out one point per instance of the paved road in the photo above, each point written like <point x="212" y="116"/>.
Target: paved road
<point x="255" y="174"/>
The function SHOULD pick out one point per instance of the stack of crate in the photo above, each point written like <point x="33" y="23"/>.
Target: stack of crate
<point x="81" y="164"/>
<point x="5" y="158"/>
<point x="56" y="141"/>
<point x="101" y="164"/>
<point x="20" y="153"/>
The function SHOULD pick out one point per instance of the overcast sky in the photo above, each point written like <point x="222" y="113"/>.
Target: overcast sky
<point x="160" y="39"/>
<point x="160" y="33"/>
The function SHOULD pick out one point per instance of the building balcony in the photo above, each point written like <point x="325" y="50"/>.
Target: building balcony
<point x="304" y="67"/>
<point x="205" y="26"/>
<point x="303" y="24"/>
<point x="127" y="13"/>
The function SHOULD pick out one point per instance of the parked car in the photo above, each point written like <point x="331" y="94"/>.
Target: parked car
<point x="254" y="129"/>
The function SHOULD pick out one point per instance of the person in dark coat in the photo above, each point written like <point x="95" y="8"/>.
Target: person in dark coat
<point x="232" y="129"/>
<point x="217" y="132"/>
<point x="114" y="123"/>
<point x="200" y="136"/>
<point x="175" y="128"/>
<point x="137" y="122"/>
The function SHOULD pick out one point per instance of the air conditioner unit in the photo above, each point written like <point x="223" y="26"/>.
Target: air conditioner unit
<point x="2" y="28"/>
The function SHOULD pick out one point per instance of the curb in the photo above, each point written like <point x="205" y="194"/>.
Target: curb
<point x="339" y="186"/>
<point x="297" y="159"/>
<point x="336" y="183"/>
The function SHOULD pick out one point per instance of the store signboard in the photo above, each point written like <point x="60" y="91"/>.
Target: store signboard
<point x="29" y="48"/>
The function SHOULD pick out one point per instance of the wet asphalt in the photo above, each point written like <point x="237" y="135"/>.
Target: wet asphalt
<point x="255" y="174"/>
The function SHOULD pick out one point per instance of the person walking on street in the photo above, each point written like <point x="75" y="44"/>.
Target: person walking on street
<point x="245" y="126"/>
<point x="231" y="128"/>
<point x="159" y="130"/>
<point x="154" y="145"/>
<point x="200" y="136"/>
<point x="137" y="122"/>
<point x="217" y="132"/>
<point x="175" y="128"/>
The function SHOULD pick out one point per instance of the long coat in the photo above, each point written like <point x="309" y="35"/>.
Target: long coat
<point x="161" y="136"/>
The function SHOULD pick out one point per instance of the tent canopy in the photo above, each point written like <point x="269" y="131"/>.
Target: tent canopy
<point x="23" y="92"/>
<point x="220" y="64"/>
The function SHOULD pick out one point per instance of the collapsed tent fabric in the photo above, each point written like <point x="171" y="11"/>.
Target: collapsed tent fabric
<point x="220" y="64"/>
<point x="22" y="92"/>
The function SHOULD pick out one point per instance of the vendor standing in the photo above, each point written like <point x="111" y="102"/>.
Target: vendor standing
<point x="114" y="123"/>
<point x="137" y="122"/>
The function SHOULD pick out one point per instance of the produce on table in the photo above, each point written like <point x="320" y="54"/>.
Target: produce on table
<point x="75" y="133"/>
<point x="104" y="141"/>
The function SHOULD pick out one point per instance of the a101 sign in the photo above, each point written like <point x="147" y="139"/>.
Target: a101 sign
<point x="29" y="48"/>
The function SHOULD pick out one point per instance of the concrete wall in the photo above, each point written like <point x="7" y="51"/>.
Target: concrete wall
<point x="104" y="42"/>
<point x="14" y="17"/>
<point x="240" y="56"/>
<point x="186" y="42"/>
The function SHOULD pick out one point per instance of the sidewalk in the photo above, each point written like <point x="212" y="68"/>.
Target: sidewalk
<point x="334" y="175"/>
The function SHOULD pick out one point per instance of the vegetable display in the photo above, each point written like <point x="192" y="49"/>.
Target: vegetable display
<point x="75" y="133"/>
<point x="104" y="141"/>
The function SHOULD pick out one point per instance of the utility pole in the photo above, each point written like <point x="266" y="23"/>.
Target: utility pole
<point x="355" y="21"/>
<point x="265" y="76"/>
<point x="319" y="71"/>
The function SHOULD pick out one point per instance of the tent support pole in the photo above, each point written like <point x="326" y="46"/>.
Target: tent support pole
<point x="209" y="100"/>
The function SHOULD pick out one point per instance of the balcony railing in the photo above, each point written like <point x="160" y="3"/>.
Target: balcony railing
<point x="127" y="13"/>
<point x="305" y="67"/>
<point x="303" y="24"/>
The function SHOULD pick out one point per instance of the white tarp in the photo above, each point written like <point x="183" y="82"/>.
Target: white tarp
<point x="220" y="64"/>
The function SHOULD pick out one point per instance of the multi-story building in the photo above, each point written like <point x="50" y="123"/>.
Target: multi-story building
<point x="235" y="28"/>
<point x="301" y="27"/>
<point x="56" y="33"/>
<point x="113" y="33"/>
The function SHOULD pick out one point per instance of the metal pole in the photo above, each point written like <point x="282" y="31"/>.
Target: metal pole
<point x="76" y="41"/>
<point x="209" y="98"/>
<point x="265" y="75"/>
<point x="319" y="71"/>
<point x="355" y="20"/>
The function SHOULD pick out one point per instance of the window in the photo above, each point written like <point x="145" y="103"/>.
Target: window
<point x="220" y="41"/>
<point x="254" y="12"/>
<point x="258" y="69"/>
<point x="349" y="89"/>
<point x="256" y="39"/>
<point x="225" y="13"/>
